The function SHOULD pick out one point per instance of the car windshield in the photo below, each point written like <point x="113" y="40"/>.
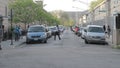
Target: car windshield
<point x="36" y="29"/>
<point x="54" y="28"/>
<point x="95" y="29"/>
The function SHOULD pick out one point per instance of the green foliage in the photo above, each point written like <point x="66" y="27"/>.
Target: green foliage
<point x="26" y="11"/>
<point x="95" y="3"/>
<point x="62" y="16"/>
<point x="23" y="10"/>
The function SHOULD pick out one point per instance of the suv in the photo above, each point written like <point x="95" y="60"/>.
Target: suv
<point x="36" y="33"/>
<point x="94" y="33"/>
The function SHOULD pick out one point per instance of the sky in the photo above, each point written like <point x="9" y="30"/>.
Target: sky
<point x="66" y="5"/>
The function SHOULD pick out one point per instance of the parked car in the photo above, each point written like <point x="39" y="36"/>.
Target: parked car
<point x="53" y="29"/>
<point x="80" y="31"/>
<point x="75" y="30"/>
<point x="49" y="32"/>
<point x="36" y="33"/>
<point x="95" y="34"/>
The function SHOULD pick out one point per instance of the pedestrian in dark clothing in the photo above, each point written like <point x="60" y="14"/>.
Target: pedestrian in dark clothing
<point x="104" y="27"/>
<point x="57" y="33"/>
<point x="108" y="31"/>
<point x="17" y="33"/>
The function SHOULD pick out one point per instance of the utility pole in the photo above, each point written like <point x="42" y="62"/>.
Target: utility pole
<point x="1" y="30"/>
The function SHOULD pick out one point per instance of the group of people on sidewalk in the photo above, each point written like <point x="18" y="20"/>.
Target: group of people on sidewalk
<point x="17" y="32"/>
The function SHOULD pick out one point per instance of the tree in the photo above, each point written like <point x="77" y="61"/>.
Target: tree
<point x="63" y="17"/>
<point x="23" y="10"/>
<point x="95" y="3"/>
<point x="26" y="11"/>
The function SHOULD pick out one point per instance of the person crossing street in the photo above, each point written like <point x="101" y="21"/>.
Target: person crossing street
<point x="57" y="33"/>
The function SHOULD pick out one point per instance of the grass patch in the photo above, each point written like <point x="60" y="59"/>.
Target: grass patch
<point x="116" y="47"/>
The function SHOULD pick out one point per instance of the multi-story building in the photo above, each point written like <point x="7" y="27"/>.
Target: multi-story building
<point x="104" y="14"/>
<point x="100" y="14"/>
<point x="4" y="12"/>
<point x="74" y="16"/>
<point x="83" y="19"/>
<point x="115" y="6"/>
<point x="89" y="17"/>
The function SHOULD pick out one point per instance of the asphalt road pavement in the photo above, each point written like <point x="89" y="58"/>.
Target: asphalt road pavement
<point x="70" y="52"/>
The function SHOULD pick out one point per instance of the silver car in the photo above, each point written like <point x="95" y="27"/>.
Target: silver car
<point x="95" y="34"/>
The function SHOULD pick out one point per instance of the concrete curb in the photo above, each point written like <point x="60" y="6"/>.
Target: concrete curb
<point x="6" y="44"/>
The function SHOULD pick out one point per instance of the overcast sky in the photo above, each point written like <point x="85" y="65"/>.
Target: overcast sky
<point x="66" y="5"/>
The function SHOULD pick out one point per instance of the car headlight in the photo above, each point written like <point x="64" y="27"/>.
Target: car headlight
<point x="44" y="35"/>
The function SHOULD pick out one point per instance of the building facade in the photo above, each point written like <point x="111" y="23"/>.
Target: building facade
<point x="115" y="6"/>
<point x="103" y="13"/>
<point x="4" y="12"/>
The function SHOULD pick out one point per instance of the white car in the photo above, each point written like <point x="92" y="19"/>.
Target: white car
<point x="49" y="32"/>
<point x="95" y="34"/>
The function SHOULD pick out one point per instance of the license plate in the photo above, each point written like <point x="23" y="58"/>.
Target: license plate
<point x="35" y="38"/>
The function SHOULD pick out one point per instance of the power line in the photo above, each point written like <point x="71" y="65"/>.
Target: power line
<point x="82" y="2"/>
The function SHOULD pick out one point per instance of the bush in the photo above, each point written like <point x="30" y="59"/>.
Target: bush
<point x="116" y="47"/>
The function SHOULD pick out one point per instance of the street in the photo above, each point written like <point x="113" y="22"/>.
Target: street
<point x="70" y="52"/>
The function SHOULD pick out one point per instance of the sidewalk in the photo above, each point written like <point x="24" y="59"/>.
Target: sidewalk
<point x="6" y="44"/>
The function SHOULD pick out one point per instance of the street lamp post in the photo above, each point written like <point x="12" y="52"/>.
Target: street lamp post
<point x="11" y="20"/>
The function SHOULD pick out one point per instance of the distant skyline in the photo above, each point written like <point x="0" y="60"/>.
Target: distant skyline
<point x="66" y="5"/>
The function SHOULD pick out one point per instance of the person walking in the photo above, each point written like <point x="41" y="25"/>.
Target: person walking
<point x="20" y="33"/>
<point x="108" y="31"/>
<point x="57" y="33"/>
<point x="104" y="27"/>
<point x="17" y="33"/>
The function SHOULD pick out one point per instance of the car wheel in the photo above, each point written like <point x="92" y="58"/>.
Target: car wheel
<point x="27" y="41"/>
<point x="78" y="35"/>
<point x="45" y="41"/>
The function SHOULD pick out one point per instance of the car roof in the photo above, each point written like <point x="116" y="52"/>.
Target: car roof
<point x="37" y="26"/>
<point x="93" y="25"/>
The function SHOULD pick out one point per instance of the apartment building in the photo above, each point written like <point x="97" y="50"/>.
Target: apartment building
<point x="4" y="12"/>
<point x="101" y="14"/>
<point x="115" y="6"/>
<point x="90" y="17"/>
